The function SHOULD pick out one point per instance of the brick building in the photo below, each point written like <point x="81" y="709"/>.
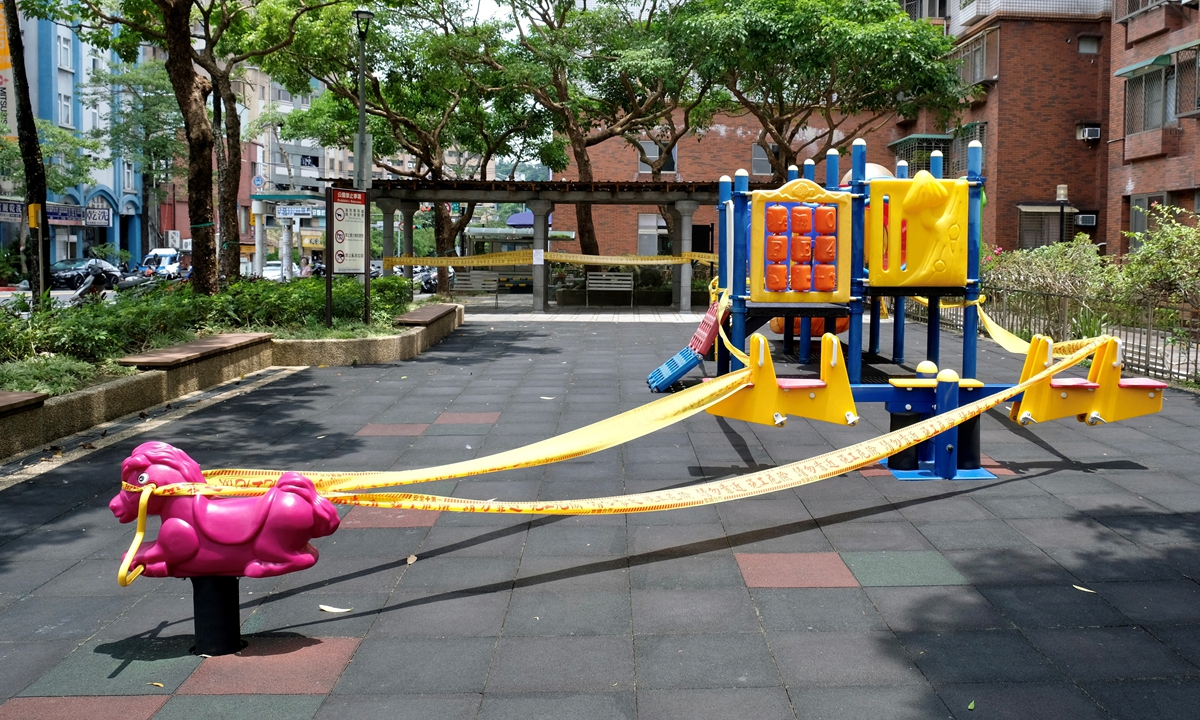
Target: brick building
<point x="1156" y="99"/>
<point x="1041" y="69"/>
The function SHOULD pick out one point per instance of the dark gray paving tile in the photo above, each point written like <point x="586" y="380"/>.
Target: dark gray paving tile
<point x="1027" y="506"/>
<point x="1147" y="699"/>
<point x="816" y="609"/>
<point x="909" y="609"/>
<point x="1122" y="653"/>
<point x="370" y="543"/>
<point x="1157" y="529"/>
<point x="552" y="706"/>
<point x="400" y="707"/>
<point x="1112" y="563"/>
<point x="563" y="664"/>
<point x="301" y="613"/>
<point x="24" y="662"/>
<point x="837" y="659"/>
<point x="578" y="541"/>
<point x="388" y="666"/>
<point x="1020" y="701"/>
<point x="449" y="541"/>
<point x="1068" y="532"/>
<point x="703" y="571"/>
<point x="907" y="702"/>
<point x="219" y="707"/>
<point x="699" y="704"/>
<point x="60" y="618"/>
<point x="876" y="536"/>
<point x="1053" y="606"/>
<point x="562" y="574"/>
<point x="972" y="535"/>
<point x="1183" y="639"/>
<point x="718" y="610"/>
<point x="458" y="573"/>
<point x="1154" y="603"/>
<point x="345" y="575"/>
<point x="451" y="614"/>
<point x="952" y="509"/>
<point x="1008" y="566"/>
<point x="978" y="656"/>
<point x="542" y="611"/>
<point x="23" y="577"/>
<point x="704" y="661"/>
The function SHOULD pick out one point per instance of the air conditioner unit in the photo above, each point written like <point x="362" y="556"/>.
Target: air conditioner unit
<point x="187" y="245"/>
<point x="1085" y="220"/>
<point x="173" y="239"/>
<point x="1089" y="133"/>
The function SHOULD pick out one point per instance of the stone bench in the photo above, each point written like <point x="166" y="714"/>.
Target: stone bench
<point x="426" y="315"/>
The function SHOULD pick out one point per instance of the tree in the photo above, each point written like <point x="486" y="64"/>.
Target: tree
<point x="420" y="101"/>
<point x="31" y="151"/>
<point x="852" y="65"/>
<point x="66" y="161"/>
<point x="141" y="122"/>
<point x="602" y="72"/>
<point x="216" y="36"/>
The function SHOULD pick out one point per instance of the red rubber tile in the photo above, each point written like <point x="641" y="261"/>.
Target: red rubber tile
<point x="795" y="570"/>
<point x="875" y="470"/>
<point x="401" y="430"/>
<point x="449" y="418"/>
<point x="274" y="666"/>
<point x="140" y="707"/>
<point x="369" y="517"/>
<point x="993" y="466"/>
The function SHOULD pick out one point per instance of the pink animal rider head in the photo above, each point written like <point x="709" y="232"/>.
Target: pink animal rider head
<point x="152" y="463"/>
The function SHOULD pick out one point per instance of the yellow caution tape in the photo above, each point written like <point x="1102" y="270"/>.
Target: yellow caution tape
<point x="525" y="257"/>
<point x="793" y="475"/>
<point x="1003" y="337"/>
<point x="124" y="576"/>
<point x="593" y="438"/>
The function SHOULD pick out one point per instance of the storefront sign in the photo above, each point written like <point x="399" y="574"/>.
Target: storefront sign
<point x="97" y="217"/>
<point x="292" y="211"/>
<point x="12" y="212"/>
<point x="64" y="214"/>
<point x="347" y="233"/>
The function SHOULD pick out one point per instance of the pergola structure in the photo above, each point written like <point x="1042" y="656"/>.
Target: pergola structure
<point x="541" y="197"/>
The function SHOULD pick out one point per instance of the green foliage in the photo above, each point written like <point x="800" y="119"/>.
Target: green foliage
<point x="1075" y="268"/>
<point x="1088" y="323"/>
<point x="1165" y="264"/>
<point x="69" y="160"/>
<point x="110" y="252"/>
<point x="54" y="375"/>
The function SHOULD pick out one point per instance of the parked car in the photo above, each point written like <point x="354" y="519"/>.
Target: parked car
<point x="273" y="270"/>
<point x="71" y="273"/>
<point x="161" y="261"/>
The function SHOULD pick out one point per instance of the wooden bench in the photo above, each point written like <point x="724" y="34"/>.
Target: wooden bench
<point x="14" y="402"/>
<point x="619" y="281"/>
<point x="169" y="358"/>
<point x="484" y="281"/>
<point x="426" y="315"/>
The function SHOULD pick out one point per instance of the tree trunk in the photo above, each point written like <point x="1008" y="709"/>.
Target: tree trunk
<point x="31" y="151"/>
<point x="222" y="179"/>
<point x="230" y="188"/>
<point x="443" y="234"/>
<point x="190" y="91"/>
<point x="583" y="211"/>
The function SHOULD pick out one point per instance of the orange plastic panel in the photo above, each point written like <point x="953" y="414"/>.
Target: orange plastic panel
<point x="826" y="278"/>
<point x="777" y="248"/>
<point x="826" y="220"/>
<point x="777" y="278"/>
<point x="801" y="220"/>
<point x="777" y="216"/>
<point x="801" y="248"/>
<point x="826" y="248"/>
<point x="801" y="277"/>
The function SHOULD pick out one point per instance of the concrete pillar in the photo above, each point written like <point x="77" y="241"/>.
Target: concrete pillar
<point x="389" y="207"/>
<point x="134" y="240"/>
<point x="541" y="212"/>
<point x="408" y="209"/>
<point x="259" y="210"/>
<point x="684" y="209"/>
<point x="285" y="250"/>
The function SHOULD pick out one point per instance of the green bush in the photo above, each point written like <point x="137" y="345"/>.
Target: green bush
<point x="53" y="375"/>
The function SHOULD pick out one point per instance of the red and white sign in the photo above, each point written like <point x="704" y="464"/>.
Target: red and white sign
<point x="348" y="230"/>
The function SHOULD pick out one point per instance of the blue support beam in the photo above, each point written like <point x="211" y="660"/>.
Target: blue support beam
<point x="724" y="261"/>
<point x="858" y="188"/>
<point x="974" y="240"/>
<point x="741" y="214"/>
<point x="899" y="307"/>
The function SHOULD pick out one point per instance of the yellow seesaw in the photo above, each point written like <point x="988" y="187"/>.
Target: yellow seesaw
<point x="1102" y="397"/>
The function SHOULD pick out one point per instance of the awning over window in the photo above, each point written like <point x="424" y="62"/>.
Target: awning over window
<point x="1045" y="208"/>
<point x="1131" y="70"/>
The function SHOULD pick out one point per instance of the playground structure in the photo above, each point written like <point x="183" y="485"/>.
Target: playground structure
<point x="802" y="251"/>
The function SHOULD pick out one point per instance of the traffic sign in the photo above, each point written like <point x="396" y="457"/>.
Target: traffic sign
<point x="259" y="181"/>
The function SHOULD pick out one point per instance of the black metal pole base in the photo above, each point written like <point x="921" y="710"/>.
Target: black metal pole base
<point x="968" y="445"/>
<point x="905" y="459"/>
<point x="217" y="615"/>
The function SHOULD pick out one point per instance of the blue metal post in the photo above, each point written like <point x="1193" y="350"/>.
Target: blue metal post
<point x="926" y="369"/>
<point x="933" y="336"/>
<point x="741" y="213"/>
<point x="724" y="194"/>
<point x="793" y="172"/>
<point x="899" y="308"/>
<point x="810" y="170"/>
<point x="945" y="444"/>
<point x="971" y="312"/>
<point x="858" y="186"/>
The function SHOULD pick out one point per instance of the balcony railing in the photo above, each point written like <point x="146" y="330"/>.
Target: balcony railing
<point x="964" y="13"/>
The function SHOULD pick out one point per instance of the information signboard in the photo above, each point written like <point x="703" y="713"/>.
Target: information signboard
<point x="346" y="231"/>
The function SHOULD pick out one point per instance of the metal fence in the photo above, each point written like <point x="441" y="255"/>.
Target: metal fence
<point x="1158" y="341"/>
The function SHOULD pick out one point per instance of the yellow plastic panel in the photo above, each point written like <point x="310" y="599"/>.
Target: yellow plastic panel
<point x="923" y="242"/>
<point x="771" y="281"/>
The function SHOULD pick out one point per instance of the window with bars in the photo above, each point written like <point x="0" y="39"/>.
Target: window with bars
<point x="1045" y="228"/>
<point x="958" y="146"/>
<point x="1187" y="83"/>
<point x="979" y="58"/>
<point x="918" y="9"/>
<point x="1125" y="8"/>
<point x="917" y="149"/>
<point x="1150" y="100"/>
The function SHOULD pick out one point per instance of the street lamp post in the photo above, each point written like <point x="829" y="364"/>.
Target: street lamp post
<point x="362" y="150"/>
<point x="1061" y="196"/>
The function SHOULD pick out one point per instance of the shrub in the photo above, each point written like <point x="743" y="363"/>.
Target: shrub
<point x="1073" y="268"/>
<point x="52" y="375"/>
<point x="1165" y="266"/>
